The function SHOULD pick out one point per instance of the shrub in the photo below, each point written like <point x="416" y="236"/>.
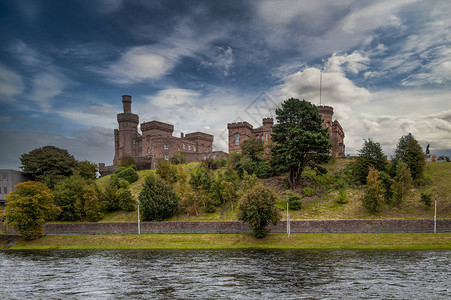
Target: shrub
<point x="387" y="182"/>
<point x="92" y="207"/>
<point x="308" y="192"/>
<point x="126" y="200"/>
<point x="29" y="207"/>
<point x="372" y="199"/>
<point x="167" y="171"/>
<point x="258" y="209"/>
<point x="401" y="183"/>
<point x="294" y="201"/>
<point x="249" y="181"/>
<point x="426" y="198"/>
<point x="342" y="197"/>
<point x="178" y="158"/>
<point x="158" y="200"/>
<point x="127" y="173"/>
<point x="128" y="162"/>
<point x="69" y="196"/>
<point x="210" y="163"/>
<point x="262" y="169"/>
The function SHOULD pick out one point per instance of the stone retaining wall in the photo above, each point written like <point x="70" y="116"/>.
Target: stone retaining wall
<point x="313" y="226"/>
<point x="317" y="226"/>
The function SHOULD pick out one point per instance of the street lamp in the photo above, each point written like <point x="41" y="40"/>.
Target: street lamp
<point x="435" y="215"/>
<point x="288" y="219"/>
<point x="139" y="225"/>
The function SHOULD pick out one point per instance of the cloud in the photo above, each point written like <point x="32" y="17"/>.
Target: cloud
<point x="109" y="6"/>
<point x="354" y="62"/>
<point x="26" y="54"/>
<point x="223" y="60"/>
<point x="11" y="84"/>
<point x="45" y="87"/>
<point x="95" y="144"/>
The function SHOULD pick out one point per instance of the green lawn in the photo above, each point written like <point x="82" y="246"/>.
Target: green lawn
<point x="404" y="241"/>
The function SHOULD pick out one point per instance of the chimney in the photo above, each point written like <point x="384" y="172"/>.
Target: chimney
<point x="127" y="103"/>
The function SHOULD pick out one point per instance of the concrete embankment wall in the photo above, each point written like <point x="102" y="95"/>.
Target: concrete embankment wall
<point x="314" y="226"/>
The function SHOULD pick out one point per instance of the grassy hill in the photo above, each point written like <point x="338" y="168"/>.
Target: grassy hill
<point x="321" y="204"/>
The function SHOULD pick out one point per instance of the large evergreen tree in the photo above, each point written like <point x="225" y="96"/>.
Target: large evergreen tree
<point x="409" y="151"/>
<point x="370" y="155"/>
<point x="299" y="139"/>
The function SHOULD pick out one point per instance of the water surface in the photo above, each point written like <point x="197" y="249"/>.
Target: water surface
<point x="225" y="274"/>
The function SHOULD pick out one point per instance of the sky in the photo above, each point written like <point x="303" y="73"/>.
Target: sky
<point x="64" y="66"/>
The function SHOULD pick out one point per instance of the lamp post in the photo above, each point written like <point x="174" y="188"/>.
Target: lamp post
<point x="288" y="219"/>
<point x="435" y="215"/>
<point x="139" y="225"/>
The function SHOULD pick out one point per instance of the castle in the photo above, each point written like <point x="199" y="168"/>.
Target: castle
<point x="155" y="143"/>
<point x="242" y="131"/>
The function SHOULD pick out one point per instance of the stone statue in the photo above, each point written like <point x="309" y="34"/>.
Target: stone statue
<point x="427" y="149"/>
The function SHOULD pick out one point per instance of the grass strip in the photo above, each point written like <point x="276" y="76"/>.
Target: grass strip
<point x="389" y="241"/>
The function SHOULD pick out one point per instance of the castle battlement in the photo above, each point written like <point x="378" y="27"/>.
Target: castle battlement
<point x="239" y="125"/>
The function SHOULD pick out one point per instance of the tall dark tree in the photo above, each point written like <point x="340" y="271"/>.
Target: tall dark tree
<point x="253" y="148"/>
<point x="48" y="165"/>
<point x="370" y="155"/>
<point x="87" y="170"/>
<point x="409" y="151"/>
<point x="299" y="138"/>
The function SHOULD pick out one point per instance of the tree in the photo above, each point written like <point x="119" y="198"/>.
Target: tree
<point x="372" y="199"/>
<point x="167" y="171"/>
<point x="92" y="207"/>
<point x="158" y="200"/>
<point x="48" y="165"/>
<point x="300" y="139"/>
<point x="87" y="170"/>
<point x="370" y="155"/>
<point x="29" y="207"/>
<point x="258" y="209"/>
<point x="253" y="148"/>
<point x="69" y="196"/>
<point x="409" y="151"/>
<point x="401" y="183"/>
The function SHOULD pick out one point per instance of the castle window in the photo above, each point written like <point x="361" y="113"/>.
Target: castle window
<point x="148" y="149"/>
<point x="237" y="138"/>
<point x="194" y="148"/>
<point x="134" y="152"/>
<point x="178" y="148"/>
<point x="183" y="146"/>
<point x="166" y="146"/>
<point x="189" y="147"/>
<point x="166" y="157"/>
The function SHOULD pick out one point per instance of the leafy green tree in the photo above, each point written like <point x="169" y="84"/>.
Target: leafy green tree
<point x="29" y="207"/>
<point x="370" y="155"/>
<point x="87" y="170"/>
<point x="48" y="165"/>
<point x="127" y="173"/>
<point x="92" y="207"/>
<point x="253" y="148"/>
<point x="300" y="140"/>
<point x="158" y="200"/>
<point x="409" y="151"/>
<point x="258" y="209"/>
<point x="401" y="183"/>
<point x="69" y="196"/>
<point x="294" y="200"/>
<point x="372" y="199"/>
<point x="126" y="200"/>
<point x="387" y="183"/>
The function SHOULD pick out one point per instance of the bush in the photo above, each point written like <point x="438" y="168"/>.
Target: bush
<point x="69" y="196"/>
<point x="342" y="197"/>
<point x="178" y="158"/>
<point x="426" y="198"/>
<point x="401" y="183"/>
<point x="211" y="164"/>
<point x="308" y="192"/>
<point x="258" y="209"/>
<point x="92" y="207"/>
<point x="372" y="200"/>
<point x="167" y="171"/>
<point x="127" y="173"/>
<point x="158" y="200"/>
<point x="126" y="200"/>
<point x="294" y="201"/>
<point x="387" y="183"/>
<point x="29" y="207"/>
<point x="262" y="169"/>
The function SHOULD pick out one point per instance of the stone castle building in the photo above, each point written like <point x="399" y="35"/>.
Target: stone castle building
<point x="8" y="180"/>
<point x="155" y="143"/>
<point x="242" y="131"/>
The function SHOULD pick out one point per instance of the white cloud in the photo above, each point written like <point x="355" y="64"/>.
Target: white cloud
<point x="26" y="54"/>
<point x="45" y="87"/>
<point x="223" y="60"/>
<point x="354" y="62"/>
<point x="11" y="84"/>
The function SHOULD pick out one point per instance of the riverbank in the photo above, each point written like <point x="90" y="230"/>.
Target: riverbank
<point x="382" y="241"/>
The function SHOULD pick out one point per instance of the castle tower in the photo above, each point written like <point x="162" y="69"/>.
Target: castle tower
<point x="267" y="129"/>
<point x="238" y="133"/>
<point x="126" y="136"/>
<point x="326" y="113"/>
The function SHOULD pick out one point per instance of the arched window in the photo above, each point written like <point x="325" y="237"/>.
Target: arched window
<point x="237" y="138"/>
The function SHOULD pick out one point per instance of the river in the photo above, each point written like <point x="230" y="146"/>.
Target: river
<point x="225" y="274"/>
